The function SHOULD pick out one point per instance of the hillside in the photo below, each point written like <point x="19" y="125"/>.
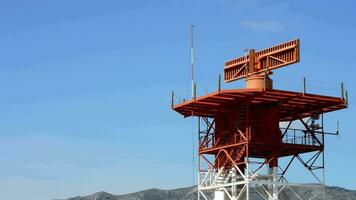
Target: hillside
<point x="333" y="193"/>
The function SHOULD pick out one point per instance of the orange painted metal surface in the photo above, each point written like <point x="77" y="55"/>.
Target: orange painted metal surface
<point x="292" y="105"/>
<point x="240" y="124"/>
<point x="262" y="61"/>
<point x="246" y="122"/>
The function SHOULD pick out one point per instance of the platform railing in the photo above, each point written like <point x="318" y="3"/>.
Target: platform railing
<point x="302" y="137"/>
<point x="209" y="140"/>
<point x="206" y="140"/>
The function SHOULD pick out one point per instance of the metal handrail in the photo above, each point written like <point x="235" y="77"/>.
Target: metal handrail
<point x="301" y="137"/>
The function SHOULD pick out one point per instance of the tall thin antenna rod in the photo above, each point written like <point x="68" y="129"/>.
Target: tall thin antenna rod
<point x="192" y="56"/>
<point x="194" y="93"/>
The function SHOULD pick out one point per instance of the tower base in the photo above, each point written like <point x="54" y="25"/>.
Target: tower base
<point x="256" y="186"/>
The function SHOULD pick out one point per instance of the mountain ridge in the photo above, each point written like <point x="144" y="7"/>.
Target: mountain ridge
<point x="190" y="193"/>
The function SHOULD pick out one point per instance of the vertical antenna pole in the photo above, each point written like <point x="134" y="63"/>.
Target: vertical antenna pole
<point x="342" y="90"/>
<point x="219" y="83"/>
<point x="192" y="56"/>
<point x="194" y="91"/>
<point x="347" y="98"/>
<point x="172" y="101"/>
<point x="304" y="86"/>
<point x="337" y="127"/>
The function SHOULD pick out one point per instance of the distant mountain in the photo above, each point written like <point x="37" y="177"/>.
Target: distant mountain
<point x="190" y="193"/>
<point x="151" y="194"/>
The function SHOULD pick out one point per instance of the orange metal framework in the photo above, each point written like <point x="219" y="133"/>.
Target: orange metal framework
<point x="262" y="61"/>
<point x="293" y="105"/>
<point x="237" y="108"/>
<point x="239" y="125"/>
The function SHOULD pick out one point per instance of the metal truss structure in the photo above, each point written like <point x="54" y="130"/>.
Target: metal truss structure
<point x="241" y="141"/>
<point x="253" y="176"/>
<point x="246" y="134"/>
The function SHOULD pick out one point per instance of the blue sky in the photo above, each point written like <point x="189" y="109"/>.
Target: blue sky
<point x="85" y="86"/>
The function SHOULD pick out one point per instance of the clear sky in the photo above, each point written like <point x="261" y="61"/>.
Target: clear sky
<point x="85" y="86"/>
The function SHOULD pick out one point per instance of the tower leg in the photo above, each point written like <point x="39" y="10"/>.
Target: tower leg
<point x="273" y="188"/>
<point x="234" y="191"/>
<point x="275" y="179"/>
<point x="247" y="180"/>
<point x="247" y="191"/>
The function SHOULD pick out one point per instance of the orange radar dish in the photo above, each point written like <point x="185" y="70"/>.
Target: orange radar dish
<point x="262" y="61"/>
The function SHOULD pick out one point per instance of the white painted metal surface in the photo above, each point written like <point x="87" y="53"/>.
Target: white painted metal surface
<point x="233" y="184"/>
<point x="219" y="195"/>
